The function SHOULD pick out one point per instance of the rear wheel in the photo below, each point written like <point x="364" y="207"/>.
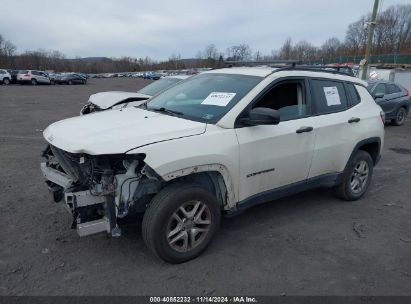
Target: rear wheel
<point x="180" y="222"/>
<point x="70" y="82"/>
<point x="357" y="177"/>
<point x="400" y="117"/>
<point x="6" y="81"/>
<point x="33" y="82"/>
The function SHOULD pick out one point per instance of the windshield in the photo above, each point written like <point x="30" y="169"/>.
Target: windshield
<point x="206" y="97"/>
<point x="158" y="86"/>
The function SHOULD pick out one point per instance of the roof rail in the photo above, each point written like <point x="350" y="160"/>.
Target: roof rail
<point x="322" y="68"/>
<point x="271" y="63"/>
<point x="292" y="65"/>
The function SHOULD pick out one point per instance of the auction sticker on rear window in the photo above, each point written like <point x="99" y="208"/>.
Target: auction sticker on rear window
<point x="332" y="96"/>
<point x="220" y="99"/>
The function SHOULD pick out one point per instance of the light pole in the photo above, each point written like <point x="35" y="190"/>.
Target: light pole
<point x="371" y="26"/>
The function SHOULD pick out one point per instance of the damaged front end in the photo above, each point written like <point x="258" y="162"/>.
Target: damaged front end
<point x="99" y="189"/>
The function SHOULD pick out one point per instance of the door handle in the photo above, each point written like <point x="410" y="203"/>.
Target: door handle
<point x="304" y="129"/>
<point x="354" y="119"/>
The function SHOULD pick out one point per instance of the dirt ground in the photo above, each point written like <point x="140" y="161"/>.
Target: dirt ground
<point x="308" y="244"/>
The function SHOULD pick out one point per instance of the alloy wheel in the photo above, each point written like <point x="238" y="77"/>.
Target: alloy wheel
<point x="400" y="116"/>
<point x="188" y="226"/>
<point x="359" y="177"/>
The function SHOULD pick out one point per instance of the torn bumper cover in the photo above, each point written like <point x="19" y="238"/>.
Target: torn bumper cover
<point x="97" y="189"/>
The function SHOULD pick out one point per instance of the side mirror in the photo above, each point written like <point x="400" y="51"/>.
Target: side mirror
<point x="262" y="116"/>
<point x="378" y="95"/>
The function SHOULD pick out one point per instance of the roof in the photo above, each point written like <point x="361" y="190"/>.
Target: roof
<point x="182" y="77"/>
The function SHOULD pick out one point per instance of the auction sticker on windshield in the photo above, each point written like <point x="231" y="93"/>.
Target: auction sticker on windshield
<point x="220" y="99"/>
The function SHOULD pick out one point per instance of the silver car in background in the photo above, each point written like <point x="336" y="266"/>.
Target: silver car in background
<point x="32" y="77"/>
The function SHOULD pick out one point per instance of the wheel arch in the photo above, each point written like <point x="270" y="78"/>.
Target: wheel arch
<point x="213" y="177"/>
<point x="370" y="145"/>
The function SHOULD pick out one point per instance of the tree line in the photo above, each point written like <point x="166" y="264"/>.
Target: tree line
<point x="392" y="35"/>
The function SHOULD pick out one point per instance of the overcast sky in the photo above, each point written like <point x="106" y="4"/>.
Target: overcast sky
<point x="160" y="28"/>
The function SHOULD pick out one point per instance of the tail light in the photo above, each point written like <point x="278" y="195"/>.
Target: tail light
<point x="407" y="93"/>
<point x="382" y="114"/>
<point x="26" y="75"/>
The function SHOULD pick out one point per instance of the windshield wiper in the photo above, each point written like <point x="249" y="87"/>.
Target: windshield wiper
<point x="162" y="109"/>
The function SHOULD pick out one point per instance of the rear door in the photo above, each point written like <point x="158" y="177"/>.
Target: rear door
<point x="335" y="126"/>
<point x="392" y="95"/>
<point x="44" y="77"/>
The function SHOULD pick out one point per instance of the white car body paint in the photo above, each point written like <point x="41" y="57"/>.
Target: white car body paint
<point x="216" y="147"/>
<point x="336" y="139"/>
<point x="117" y="131"/>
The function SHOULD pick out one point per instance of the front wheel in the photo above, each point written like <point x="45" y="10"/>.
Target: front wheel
<point x="6" y="81"/>
<point x="180" y="222"/>
<point x="357" y="177"/>
<point x="400" y="117"/>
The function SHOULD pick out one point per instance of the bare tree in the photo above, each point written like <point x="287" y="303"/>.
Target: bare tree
<point x="331" y="48"/>
<point x="286" y="50"/>
<point x="239" y="52"/>
<point x="356" y="36"/>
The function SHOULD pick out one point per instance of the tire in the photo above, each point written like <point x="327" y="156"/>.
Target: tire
<point x="69" y="82"/>
<point x="167" y="230"/>
<point x="33" y="81"/>
<point x="399" y="117"/>
<point x="6" y="81"/>
<point x="355" y="175"/>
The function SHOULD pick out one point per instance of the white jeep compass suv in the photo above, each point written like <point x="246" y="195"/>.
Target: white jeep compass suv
<point x="217" y="143"/>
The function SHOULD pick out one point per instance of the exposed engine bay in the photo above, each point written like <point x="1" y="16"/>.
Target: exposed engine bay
<point x="98" y="190"/>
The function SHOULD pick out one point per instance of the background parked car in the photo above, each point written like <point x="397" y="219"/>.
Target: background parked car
<point x="13" y="74"/>
<point x="5" y="77"/>
<point x="108" y="100"/>
<point x="32" y="77"/>
<point x="392" y="98"/>
<point x="71" y="78"/>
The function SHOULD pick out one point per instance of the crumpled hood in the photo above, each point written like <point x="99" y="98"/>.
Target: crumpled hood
<point x="105" y="100"/>
<point x="118" y="131"/>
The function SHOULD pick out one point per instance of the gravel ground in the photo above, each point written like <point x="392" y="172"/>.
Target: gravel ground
<point x="307" y="244"/>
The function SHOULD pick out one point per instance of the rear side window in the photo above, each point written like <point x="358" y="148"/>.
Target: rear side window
<point x="392" y="89"/>
<point x="329" y="96"/>
<point x="353" y="94"/>
<point x="380" y="88"/>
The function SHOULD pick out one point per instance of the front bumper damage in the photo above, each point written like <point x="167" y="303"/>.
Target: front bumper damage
<point x="98" y="190"/>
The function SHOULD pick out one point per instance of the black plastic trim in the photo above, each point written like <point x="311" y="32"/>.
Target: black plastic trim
<point x="326" y="180"/>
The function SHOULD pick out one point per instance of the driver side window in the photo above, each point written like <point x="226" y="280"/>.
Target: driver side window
<point x="288" y="98"/>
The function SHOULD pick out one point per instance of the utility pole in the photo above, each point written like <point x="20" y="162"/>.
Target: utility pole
<point x="371" y="26"/>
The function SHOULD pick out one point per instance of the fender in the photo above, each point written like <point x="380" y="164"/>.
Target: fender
<point x="231" y="195"/>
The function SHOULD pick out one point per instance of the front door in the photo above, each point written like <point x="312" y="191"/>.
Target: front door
<point x="272" y="156"/>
